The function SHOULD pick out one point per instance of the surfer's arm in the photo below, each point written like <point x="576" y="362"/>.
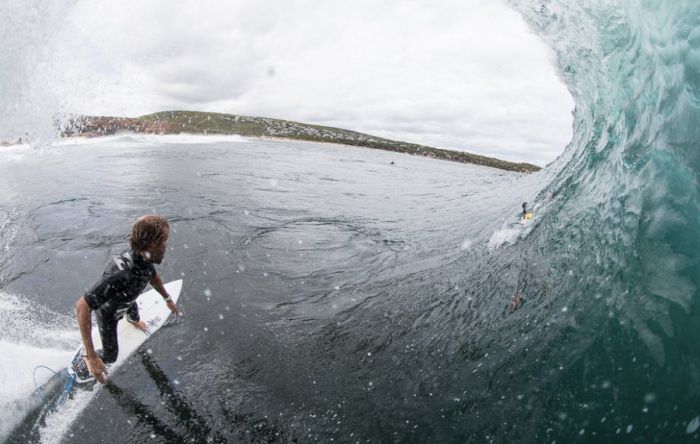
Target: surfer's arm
<point x="157" y="283"/>
<point x="84" y="314"/>
<point x="95" y="365"/>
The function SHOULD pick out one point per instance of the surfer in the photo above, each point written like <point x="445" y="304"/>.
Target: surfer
<point x="527" y="214"/>
<point x="114" y="296"/>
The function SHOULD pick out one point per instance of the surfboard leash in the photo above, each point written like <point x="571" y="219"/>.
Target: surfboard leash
<point x="36" y="386"/>
<point x="67" y="389"/>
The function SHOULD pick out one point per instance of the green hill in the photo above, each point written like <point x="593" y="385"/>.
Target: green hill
<point x="194" y="122"/>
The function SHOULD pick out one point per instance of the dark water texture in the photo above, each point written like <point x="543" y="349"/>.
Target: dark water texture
<point x="323" y="297"/>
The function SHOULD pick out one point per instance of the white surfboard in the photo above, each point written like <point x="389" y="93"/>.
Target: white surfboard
<point x="152" y="310"/>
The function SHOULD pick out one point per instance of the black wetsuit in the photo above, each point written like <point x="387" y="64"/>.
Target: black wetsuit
<point x="114" y="296"/>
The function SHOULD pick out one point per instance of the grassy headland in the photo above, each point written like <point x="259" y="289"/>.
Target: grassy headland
<point x="194" y="122"/>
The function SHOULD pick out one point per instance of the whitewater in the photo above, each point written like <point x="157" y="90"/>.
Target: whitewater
<point x="334" y="295"/>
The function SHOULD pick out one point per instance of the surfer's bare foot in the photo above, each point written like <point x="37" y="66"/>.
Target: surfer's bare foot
<point x="141" y="325"/>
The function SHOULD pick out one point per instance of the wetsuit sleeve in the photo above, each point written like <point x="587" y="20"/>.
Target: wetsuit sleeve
<point x="105" y="289"/>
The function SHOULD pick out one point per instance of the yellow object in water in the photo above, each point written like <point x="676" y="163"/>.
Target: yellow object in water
<point x="528" y="215"/>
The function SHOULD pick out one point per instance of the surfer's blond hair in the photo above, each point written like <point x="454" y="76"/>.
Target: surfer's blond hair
<point x="148" y="230"/>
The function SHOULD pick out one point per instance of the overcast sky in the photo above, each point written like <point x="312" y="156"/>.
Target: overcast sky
<point x="459" y="74"/>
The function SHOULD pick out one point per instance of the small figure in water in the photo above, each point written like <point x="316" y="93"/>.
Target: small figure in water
<point x="515" y="303"/>
<point x="527" y="215"/>
<point x="114" y="296"/>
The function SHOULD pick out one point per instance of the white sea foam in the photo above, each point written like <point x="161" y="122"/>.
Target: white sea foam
<point x="31" y="336"/>
<point x="133" y="139"/>
<point x="504" y="236"/>
<point x="57" y="423"/>
<point x="15" y="153"/>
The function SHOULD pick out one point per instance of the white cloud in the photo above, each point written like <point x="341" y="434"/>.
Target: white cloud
<point x="457" y="74"/>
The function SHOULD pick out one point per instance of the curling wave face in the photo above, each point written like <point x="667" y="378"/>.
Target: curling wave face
<point x="619" y="244"/>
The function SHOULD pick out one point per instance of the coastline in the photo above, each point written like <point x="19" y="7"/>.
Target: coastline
<point x="202" y="123"/>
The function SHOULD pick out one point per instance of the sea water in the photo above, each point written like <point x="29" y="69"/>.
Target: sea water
<point x="279" y="244"/>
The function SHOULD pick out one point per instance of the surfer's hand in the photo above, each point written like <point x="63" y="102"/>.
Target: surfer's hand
<point x="97" y="368"/>
<point x="171" y="305"/>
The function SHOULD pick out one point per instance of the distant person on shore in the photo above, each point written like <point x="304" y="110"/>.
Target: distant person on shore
<point x="114" y="296"/>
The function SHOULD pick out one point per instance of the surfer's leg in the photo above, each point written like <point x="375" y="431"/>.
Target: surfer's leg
<point x="108" y="333"/>
<point x="132" y="314"/>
